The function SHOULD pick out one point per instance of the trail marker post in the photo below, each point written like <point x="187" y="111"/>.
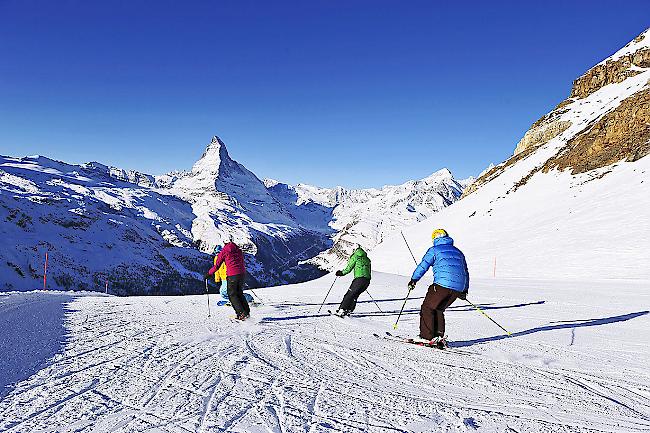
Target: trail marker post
<point x="45" y="272"/>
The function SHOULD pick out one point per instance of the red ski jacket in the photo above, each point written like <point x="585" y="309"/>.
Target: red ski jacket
<point x="234" y="258"/>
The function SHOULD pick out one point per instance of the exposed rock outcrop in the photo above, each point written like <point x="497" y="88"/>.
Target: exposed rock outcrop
<point x="599" y="129"/>
<point x="622" y="134"/>
<point x="541" y="134"/>
<point x="611" y="71"/>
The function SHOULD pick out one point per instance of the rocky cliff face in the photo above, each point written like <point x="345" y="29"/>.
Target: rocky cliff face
<point x="605" y="119"/>
<point x="632" y="60"/>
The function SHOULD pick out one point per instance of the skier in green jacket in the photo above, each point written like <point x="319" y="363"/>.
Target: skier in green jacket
<point x="360" y="263"/>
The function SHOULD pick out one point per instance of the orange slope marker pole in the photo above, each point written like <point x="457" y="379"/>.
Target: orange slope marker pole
<point x="45" y="273"/>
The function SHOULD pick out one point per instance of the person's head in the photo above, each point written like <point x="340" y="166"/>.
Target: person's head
<point x="438" y="233"/>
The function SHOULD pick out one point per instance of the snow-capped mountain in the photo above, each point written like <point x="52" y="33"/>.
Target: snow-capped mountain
<point x="95" y="228"/>
<point x="364" y="216"/>
<point x="574" y="195"/>
<point x="153" y="234"/>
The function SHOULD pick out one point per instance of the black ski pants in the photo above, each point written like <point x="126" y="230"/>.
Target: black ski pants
<point x="432" y="312"/>
<point x="358" y="286"/>
<point x="236" y="294"/>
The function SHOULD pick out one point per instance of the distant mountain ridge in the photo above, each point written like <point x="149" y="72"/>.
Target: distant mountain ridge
<point x="154" y="234"/>
<point x="365" y="216"/>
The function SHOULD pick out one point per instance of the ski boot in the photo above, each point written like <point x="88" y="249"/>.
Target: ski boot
<point x="421" y="341"/>
<point x="440" y="342"/>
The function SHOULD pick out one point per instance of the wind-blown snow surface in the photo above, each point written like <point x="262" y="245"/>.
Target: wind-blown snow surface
<point x="26" y="319"/>
<point x="577" y="361"/>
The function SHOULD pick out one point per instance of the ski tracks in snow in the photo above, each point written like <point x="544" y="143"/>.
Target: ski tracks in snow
<point x="159" y="365"/>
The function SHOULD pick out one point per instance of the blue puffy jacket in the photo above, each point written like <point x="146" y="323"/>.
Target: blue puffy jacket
<point x="447" y="263"/>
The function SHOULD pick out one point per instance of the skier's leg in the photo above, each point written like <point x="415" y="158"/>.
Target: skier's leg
<point x="223" y="289"/>
<point x="235" y="300"/>
<point x="346" y="303"/>
<point x="242" y="298"/>
<point x="358" y="286"/>
<point x="428" y="313"/>
<point x="449" y="298"/>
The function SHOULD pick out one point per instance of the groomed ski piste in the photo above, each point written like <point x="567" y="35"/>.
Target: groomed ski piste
<point x="159" y="364"/>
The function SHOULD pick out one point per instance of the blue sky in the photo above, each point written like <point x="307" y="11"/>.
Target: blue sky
<point x="354" y="93"/>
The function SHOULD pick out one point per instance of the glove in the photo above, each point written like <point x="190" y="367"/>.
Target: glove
<point x="463" y="296"/>
<point x="412" y="284"/>
<point x="339" y="273"/>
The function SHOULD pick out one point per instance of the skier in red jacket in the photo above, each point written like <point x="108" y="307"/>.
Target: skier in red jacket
<point x="235" y="274"/>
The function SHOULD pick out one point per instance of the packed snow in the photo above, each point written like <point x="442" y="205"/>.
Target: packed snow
<point x="577" y="361"/>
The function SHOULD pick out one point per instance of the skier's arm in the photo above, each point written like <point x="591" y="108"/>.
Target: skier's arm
<point x="424" y="265"/>
<point x="466" y="273"/>
<point x="350" y="266"/>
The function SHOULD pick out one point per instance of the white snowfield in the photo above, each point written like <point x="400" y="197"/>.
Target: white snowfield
<point x="556" y="226"/>
<point x="577" y="361"/>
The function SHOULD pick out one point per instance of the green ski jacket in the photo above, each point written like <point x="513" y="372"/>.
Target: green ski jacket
<point x="360" y="262"/>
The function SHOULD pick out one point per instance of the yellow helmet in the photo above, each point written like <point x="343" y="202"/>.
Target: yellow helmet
<point x="438" y="233"/>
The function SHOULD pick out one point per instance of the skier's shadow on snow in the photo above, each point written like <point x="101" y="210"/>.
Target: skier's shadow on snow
<point x="395" y="312"/>
<point x="306" y="304"/>
<point x="492" y="306"/>
<point x="554" y="326"/>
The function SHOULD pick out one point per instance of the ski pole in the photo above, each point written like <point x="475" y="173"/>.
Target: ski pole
<point x="409" y="293"/>
<point x="328" y="293"/>
<point x="402" y="309"/>
<point x="373" y="300"/>
<point x="408" y="246"/>
<point x="253" y="292"/>
<point x="207" y="293"/>
<point x="485" y="314"/>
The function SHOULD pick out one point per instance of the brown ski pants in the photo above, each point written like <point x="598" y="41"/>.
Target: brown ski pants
<point x="432" y="316"/>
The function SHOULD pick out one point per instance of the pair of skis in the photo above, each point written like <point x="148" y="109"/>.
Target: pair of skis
<point x="405" y="340"/>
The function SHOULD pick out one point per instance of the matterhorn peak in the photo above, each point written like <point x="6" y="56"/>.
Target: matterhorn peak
<point x="215" y="153"/>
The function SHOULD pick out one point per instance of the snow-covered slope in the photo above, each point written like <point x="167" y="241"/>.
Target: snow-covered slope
<point x="158" y="364"/>
<point x="572" y="202"/>
<point x="365" y="216"/>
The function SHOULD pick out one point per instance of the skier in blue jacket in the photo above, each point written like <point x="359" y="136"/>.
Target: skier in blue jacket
<point x="450" y="281"/>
